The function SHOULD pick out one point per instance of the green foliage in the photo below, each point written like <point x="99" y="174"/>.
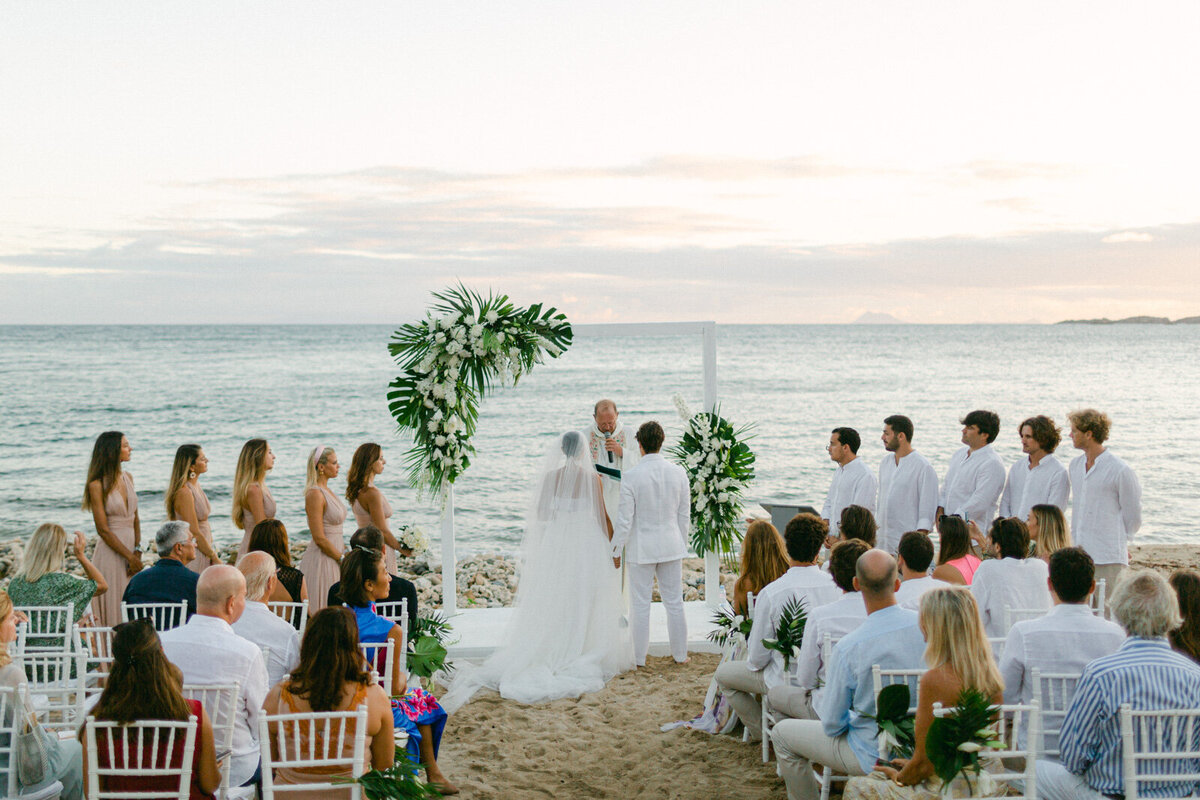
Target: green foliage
<point x="789" y="634"/>
<point x="397" y="782"/>
<point x="465" y="345"/>
<point x="896" y="724"/>
<point x="427" y="645"/>
<point x="728" y="624"/>
<point x="955" y="741"/>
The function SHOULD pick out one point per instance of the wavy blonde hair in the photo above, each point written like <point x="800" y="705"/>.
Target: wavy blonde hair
<point x="1053" y="532"/>
<point x="45" y="552"/>
<point x="185" y="459"/>
<point x="6" y="608"/>
<point x="316" y="459"/>
<point x="954" y="636"/>
<point x="251" y="468"/>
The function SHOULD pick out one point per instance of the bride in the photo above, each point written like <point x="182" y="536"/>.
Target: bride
<point x="568" y="634"/>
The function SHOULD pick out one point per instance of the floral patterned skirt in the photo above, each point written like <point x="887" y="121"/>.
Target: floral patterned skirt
<point x="418" y="707"/>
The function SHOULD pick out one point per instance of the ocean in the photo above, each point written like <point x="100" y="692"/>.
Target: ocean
<point x="299" y="386"/>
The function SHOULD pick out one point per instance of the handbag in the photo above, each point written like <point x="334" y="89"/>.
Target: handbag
<point x="31" y="754"/>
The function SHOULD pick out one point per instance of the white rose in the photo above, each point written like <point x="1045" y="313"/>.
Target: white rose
<point x="492" y="316"/>
<point x="712" y="459"/>
<point x="439" y="440"/>
<point x="432" y="426"/>
<point x="476" y="331"/>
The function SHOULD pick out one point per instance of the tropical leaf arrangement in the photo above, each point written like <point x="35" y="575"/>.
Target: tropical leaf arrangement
<point x="729" y="624"/>
<point x="720" y="465"/>
<point x="789" y="634"/>
<point x="896" y="724"/>
<point x="955" y="742"/>
<point x="427" y="645"/>
<point x="397" y="782"/>
<point x="466" y="345"/>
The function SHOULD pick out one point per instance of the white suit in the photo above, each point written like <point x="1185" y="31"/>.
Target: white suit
<point x="652" y="525"/>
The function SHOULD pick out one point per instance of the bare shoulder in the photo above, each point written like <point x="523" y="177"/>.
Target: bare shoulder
<point x="941" y="684"/>
<point x="254" y="490"/>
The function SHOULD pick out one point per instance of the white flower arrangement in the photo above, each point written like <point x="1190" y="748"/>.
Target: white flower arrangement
<point x="413" y="538"/>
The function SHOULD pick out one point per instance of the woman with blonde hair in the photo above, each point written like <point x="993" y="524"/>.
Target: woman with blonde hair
<point x="41" y="581"/>
<point x="326" y="513"/>
<point x="369" y="505"/>
<point x="1048" y="529"/>
<point x="764" y="559"/>
<point x="252" y="501"/>
<point x="187" y="502"/>
<point x="958" y="657"/>
<point x="110" y="496"/>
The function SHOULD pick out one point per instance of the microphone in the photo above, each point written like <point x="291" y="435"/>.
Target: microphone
<point x="608" y="436"/>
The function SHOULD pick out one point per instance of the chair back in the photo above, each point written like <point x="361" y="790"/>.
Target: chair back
<point x="165" y="616"/>
<point x="94" y="645"/>
<point x="374" y="653"/>
<point x="1097" y="600"/>
<point x="397" y="612"/>
<point x="881" y="677"/>
<point x="1009" y="720"/>
<point x="12" y="710"/>
<point x="1015" y="614"/>
<point x="220" y="702"/>
<point x="47" y="631"/>
<point x="1160" y="750"/>
<point x="749" y="605"/>
<point x="157" y="752"/>
<point x="316" y="742"/>
<point x="1053" y="692"/>
<point x="56" y="685"/>
<point x="295" y="614"/>
<point x="997" y="643"/>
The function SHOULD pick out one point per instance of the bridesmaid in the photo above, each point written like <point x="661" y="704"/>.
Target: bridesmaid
<point x="252" y="501"/>
<point x="111" y="498"/>
<point x="321" y="563"/>
<point x="187" y="502"/>
<point x="369" y="505"/>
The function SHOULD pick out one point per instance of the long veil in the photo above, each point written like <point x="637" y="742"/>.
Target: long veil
<point x="566" y="635"/>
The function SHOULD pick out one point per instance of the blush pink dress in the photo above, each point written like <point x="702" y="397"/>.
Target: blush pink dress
<point x="121" y="512"/>
<point x="363" y="519"/>
<point x="321" y="571"/>
<point x="248" y="520"/>
<point x="201" y="562"/>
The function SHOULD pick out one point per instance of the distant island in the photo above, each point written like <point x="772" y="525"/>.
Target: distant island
<point x="1132" y="321"/>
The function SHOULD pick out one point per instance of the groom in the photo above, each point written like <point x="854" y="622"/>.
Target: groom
<point x="652" y="525"/>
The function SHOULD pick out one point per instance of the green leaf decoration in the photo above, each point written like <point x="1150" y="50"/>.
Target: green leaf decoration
<point x="944" y="744"/>
<point x="728" y="624"/>
<point x="895" y="722"/>
<point x="789" y="634"/>
<point x="426" y="656"/>
<point x="397" y="782"/>
<point x="466" y="345"/>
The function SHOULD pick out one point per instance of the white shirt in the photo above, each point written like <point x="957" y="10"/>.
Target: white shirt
<point x="262" y="626"/>
<point x="207" y="651"/>
<point x="1013" y="582"/>
<point x="814" y="587"/>
<point x="1107" y="510"/>
<point x="655" y="513"/>
<point x="852" y="485"/>
<point x="973" y="484"/>
<point x="837" y="619"/>
<point x="1047" y="483"/>
<point x="908" y="498"/>
<point x="910" y="591"/>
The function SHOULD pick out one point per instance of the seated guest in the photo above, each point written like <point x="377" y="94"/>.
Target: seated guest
<point x="371" y="538"/>
<point x="913" y="557"/>
<point x="837" y="619"/>
<point x="842" y="737"/>
<point x="169" y="580"/>
<point x="959" y="658"/>
<point x="332" y="676"/>
<point x="744" y="681"/>
<point x="764" y="560"/>
<point x="956" y="562"/>
<point x="63" y="758"/>
<point x="262" y="626"/>
<point x="858" y="522"/>
<point x="271" y="537"/>
<point x="1145" y="673"/>
<point x="1186" y="638"/>
<point x="365" y="580"/>
<point x="1048" y="530"/>
<point x="142" y="685"/>
<point x="1012" y="580"/>
<point x="1064" y="640"/>
<point x="207" y="651"/>
<point x="42" y="581"/>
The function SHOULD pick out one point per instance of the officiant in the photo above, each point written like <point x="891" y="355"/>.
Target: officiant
<point x="613" y="450"/>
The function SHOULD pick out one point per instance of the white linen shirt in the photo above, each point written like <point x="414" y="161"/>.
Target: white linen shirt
<point x="973" y="484"/>
<point x="1107" y="510"/>
<point x="207" y="651"/>
<point x="837" y="619"/>
<point x="908" y="498"/>
<point x="1047" y="483"/>
<point x="813" y="586"/>
<point x="852" y="485"/>
<point x="655" y="512"/>
<point x="910" y="591"/>
<point x="262" y="626"/>
<point x="1015" y="582"/>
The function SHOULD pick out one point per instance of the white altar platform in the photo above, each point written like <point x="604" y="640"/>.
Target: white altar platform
<point x="478" y="630"/>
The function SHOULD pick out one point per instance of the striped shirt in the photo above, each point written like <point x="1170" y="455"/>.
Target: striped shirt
<point x="1145" y="673"/>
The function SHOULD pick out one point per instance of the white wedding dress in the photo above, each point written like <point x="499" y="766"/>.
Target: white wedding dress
<point x="568" y="634"/>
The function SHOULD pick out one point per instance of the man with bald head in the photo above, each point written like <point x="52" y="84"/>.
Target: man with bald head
<point x="262" y="626"/>
<point x="843" y="738"/>
<point x="614" y="449"/>
<point x="208" y="651"/>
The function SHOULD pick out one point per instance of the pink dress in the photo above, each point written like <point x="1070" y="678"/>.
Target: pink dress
<point x="121" y="512"/>
<point x="321" y="571"/>
<point x="363" y="519"/>
<point x="248" y="520"/>
<point x="966" y="565"/>
<point x="201" y="562"/>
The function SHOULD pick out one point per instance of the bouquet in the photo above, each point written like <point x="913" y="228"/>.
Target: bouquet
<point x="729" y="625"/>
<point x="789" y="634"/>
<point x="954" y="742"/>
<point x="896" y="724"/>
<point x="413" y="538"/>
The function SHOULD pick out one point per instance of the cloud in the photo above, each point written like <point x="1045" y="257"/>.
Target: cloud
<point x="1127" y="236"/>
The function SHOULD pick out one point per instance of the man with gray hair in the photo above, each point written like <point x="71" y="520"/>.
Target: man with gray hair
<point x="169" y="580"/>
<point x="1145" y="673"/>
<point x="262" y="626"/>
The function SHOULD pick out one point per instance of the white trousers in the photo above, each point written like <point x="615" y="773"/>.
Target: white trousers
<point x="670" y="587"/>
<point x="743" y="687"/>
<point x="1054" y="782"/>
<point x="798" y="743"/>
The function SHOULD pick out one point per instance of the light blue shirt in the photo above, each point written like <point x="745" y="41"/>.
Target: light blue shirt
<point x="890" y="638"/>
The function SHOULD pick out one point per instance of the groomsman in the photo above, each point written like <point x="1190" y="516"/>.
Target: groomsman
<point x="1039" y="478"/>
<point x="853" y="484"/>
<point x="975" y="478"/>
<point x="908" y="487"/>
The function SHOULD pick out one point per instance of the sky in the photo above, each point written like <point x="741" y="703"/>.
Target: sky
<point x="763" y="162"/>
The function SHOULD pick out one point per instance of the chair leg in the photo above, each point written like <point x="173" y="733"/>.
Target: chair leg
<point x="766" y="731"/>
